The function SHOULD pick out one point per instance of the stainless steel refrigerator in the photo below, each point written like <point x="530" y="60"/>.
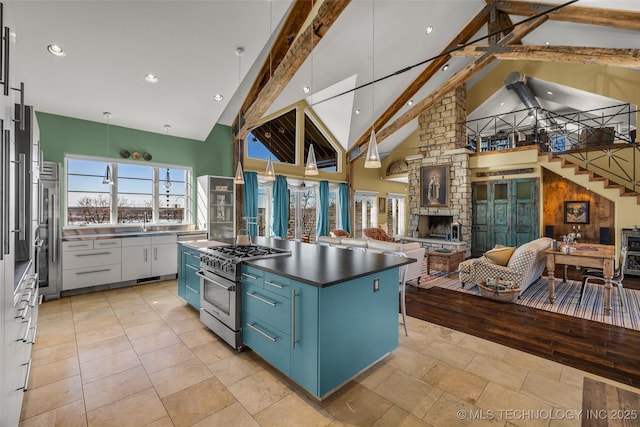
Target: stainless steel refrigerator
<point x="49" y="265"/>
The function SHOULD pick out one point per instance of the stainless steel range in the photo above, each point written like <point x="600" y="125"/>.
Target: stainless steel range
<point x="220" y="294"/>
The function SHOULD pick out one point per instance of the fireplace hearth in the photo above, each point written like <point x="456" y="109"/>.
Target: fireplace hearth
<point x="435" y="227"/>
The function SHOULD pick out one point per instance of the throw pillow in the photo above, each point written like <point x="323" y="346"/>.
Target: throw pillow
<point x="500" y="256"/>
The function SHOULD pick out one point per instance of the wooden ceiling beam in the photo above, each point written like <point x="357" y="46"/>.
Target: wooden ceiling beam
<point x="287" y="55"/>
<point x="627" y="58"/>
<point x="436" y="65"/>
<point x="461" y="77"/>
<point x="578" y="14"/>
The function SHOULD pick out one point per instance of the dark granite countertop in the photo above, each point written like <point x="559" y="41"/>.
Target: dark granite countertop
<point x="323" y="266"/>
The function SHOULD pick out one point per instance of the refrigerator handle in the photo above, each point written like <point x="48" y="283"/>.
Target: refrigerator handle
<point x="54" y="217"/>
<point x="22" y="201"/>
<point x="3" y="190"/>
<point x="6" y="141"/>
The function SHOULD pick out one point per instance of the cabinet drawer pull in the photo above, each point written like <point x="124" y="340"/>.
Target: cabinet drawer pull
<point x="264" y="300"/>
<point x="35" y="334"/>
<point x="78" y="245"/>
<point x="250" y="276"/>
<point x="293" y="318"/>
<point x="23" y="314"/>
<point x="95" y="254"/>
<point x="192" y="267"/>
<point x="106" y="243"/>
<point x="92" y="271"/>
<point x="275" y="285"/>
<point x="264" y="334"/>
<point x="26" y="333"/>
<point x="26" y="377"/>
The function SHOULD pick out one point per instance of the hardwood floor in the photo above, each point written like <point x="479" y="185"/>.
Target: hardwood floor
<point x="605" y="350"/>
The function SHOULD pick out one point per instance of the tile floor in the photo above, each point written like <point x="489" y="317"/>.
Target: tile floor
<point x="139" y="356"/>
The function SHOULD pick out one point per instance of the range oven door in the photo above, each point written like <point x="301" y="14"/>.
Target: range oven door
<point x="219" y="298"/>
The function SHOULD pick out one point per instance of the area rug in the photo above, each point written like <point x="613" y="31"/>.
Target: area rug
<point x="567" y="294"/>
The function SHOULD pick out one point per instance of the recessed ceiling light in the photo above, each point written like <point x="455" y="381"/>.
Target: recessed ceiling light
<point x="502" y="103"/>
<point x="446" y="67"/>
<point x="56" y="50"/>
<point x="410" y="102"/>
<point x="547" y="43"/>
<point x="151" y="78"/>
<point x="549" y="92"/>
<point x="306" y="89"/>
<point x="218" y="97"/>
<point x="429" y="29"/>
<point x="357" y="111"/>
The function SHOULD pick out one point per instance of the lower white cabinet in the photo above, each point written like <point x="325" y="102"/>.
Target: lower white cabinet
<point x="91" y="263"/>
<point x="144" y="257"/>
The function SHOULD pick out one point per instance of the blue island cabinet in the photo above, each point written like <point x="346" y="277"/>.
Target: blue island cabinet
<point x="188" y="281"/>
<point x="320" y="337"/>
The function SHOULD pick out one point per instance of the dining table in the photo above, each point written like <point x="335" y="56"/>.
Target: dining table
<point x="588" y="255"/>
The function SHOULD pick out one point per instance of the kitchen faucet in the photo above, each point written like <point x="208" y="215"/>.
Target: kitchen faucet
<point x="144" y="223"/>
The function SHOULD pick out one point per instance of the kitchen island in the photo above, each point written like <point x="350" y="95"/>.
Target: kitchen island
<point x="321" y="315"/>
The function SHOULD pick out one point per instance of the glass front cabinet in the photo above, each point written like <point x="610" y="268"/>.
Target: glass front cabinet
<point x="216" y="206"/>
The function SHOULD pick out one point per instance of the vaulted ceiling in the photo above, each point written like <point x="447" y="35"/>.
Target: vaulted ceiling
<point x="334" y="47"/>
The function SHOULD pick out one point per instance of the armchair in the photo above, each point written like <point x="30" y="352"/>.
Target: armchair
<point x="524" y="267"/>
<point x="377" y="234"/>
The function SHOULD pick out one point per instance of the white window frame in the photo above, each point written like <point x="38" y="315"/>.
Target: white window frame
<point x="113" y="193"/>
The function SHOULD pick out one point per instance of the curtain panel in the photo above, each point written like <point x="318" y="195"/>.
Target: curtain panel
<point x="251" y="203"/>
<point x="344" y="222"/>
<point x="322" y="223"/>
<point x="280" y="225"/>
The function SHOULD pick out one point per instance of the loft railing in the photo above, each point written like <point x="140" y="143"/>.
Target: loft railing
<point x="600" y="140"/>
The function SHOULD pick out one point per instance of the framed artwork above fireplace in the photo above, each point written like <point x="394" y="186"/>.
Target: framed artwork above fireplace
<point x="434" y="185"/>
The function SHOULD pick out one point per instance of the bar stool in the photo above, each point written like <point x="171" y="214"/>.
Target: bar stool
<point x="402" y="285"/>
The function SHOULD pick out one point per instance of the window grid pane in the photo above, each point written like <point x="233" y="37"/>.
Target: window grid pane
<point x="89" y="201"/>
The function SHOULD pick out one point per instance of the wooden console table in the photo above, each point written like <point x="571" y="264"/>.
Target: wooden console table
<point x="584" y="255"/>
<point x="444" y="261"/>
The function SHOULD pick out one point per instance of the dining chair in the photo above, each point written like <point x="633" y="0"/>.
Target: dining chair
<point x="618" y="277"/>
<point x="402" y="285"/>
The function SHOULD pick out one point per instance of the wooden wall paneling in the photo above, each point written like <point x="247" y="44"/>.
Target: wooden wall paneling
<point x="557" y="190"/>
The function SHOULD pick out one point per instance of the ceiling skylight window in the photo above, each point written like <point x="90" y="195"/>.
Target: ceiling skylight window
<point x="218" y="97"/>
<point x="56" y="50"/>
<point x="151" y="78"/>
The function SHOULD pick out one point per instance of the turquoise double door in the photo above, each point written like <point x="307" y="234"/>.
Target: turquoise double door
<point x="504" y="212"/>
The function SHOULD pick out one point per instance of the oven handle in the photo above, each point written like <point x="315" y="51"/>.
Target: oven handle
<point x="205" y="277"/>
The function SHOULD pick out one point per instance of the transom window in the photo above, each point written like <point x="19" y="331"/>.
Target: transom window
<point x="141" y="192"/>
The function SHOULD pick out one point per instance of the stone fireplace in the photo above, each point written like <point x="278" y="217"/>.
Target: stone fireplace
<point x="442" y="141"/>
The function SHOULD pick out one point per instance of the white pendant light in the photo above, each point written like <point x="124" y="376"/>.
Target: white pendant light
<point x="312" y="166"/>
<point x="108" y="176"/>
<point x="373" y="158"/>
<point x="270" y="174"/>
<point x="239" y="178"/>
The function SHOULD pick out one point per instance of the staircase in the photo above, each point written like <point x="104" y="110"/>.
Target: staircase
<point x="606" y="187"/>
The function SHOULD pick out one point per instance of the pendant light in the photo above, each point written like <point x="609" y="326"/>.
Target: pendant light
<point x="372" y="161"/>
<point x="312" y="165"/>
<point x="270" y="173"/>
<point x="239" y="178"/>
<point x="108" y="175"/>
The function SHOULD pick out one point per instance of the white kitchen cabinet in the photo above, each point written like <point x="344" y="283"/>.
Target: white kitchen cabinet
<point x="144" y="257"/>
<point x="91" y="263"/>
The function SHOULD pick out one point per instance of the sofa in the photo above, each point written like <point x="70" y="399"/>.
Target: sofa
<point x="412" y="250"/>
<point x="524" y="267"/>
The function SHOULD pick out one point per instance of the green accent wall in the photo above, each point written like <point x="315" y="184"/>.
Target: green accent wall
<point x="61" y="135"/>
